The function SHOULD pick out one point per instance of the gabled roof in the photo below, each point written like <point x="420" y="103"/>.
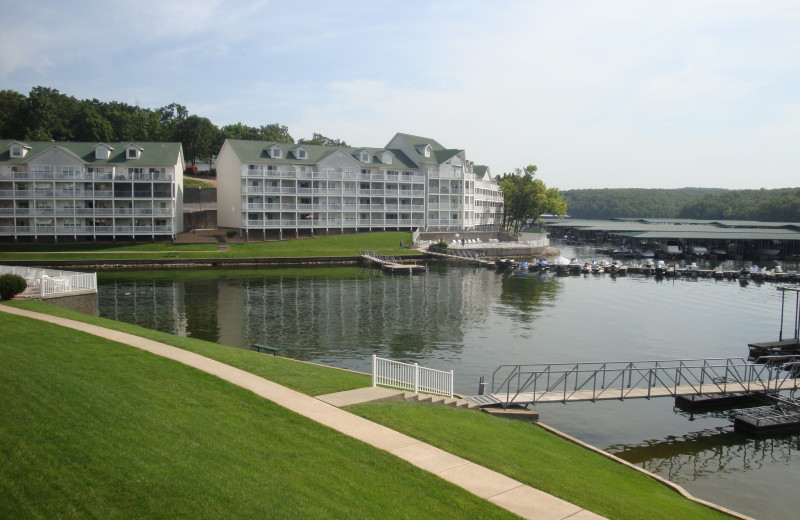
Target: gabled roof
<point x="445" y="154"/>
<point x="156" y="154"/>
<point x="417" y="141"/>
<point x="257" y="152"/>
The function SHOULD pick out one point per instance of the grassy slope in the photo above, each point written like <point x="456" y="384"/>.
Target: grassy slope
<point x="303" y="377"/>
<point x="517" y="449"/>
<point x="534" y="456"/>
<point x="93" y="429"/>
<point x="337" y="245"/>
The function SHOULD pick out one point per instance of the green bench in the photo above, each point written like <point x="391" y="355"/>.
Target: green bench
<point x="260" y="347"/>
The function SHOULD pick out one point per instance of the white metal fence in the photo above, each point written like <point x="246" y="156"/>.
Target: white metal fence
<point x="49" y="283"/>
<point x="411" y="377"/>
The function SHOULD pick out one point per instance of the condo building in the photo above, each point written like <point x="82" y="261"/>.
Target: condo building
<point x="411" y="183"/>
<point x="88" y="191"/>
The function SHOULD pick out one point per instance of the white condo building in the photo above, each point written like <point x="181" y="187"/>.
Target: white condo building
<point x="52" y="190"/>
<point x="413" y="182"/>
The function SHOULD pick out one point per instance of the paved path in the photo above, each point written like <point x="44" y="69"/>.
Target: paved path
<point x="490" y="485"/>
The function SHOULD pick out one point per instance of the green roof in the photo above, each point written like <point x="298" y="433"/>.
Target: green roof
<point x="162" y="154"/>
<point x="416" y="141"/>
<point x="258" y="152"/>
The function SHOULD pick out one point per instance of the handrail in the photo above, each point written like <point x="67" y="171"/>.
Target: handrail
<point x="620" y="379"/>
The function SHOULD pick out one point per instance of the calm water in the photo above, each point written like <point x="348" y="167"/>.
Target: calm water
<point x="471" y="320"/>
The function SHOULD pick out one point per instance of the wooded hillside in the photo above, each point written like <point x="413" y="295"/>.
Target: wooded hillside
<point x="779" y="205"/>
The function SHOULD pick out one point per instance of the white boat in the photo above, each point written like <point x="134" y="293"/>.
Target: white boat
<point x="661" y="267"/>
<point x="698" y="250"/>
<point x="672" y="248"/>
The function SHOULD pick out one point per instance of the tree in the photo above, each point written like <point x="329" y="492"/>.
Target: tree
<point x="12" y="105"/>
<point x="322" y="140"/>
<point x="527" y="198"/>
<point x="198" y="136"/>
<point x="273" y="132"/>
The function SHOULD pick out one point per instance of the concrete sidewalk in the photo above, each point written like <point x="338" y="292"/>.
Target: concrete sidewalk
<point x="503" y="491"/>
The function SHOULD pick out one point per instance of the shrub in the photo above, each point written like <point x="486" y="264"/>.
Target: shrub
<point x="11" y="285"/>
<point x="439" y="247"/>
<point x="230" y="234"/>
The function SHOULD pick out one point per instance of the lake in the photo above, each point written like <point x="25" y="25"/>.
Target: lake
<point x="471" y="320"/>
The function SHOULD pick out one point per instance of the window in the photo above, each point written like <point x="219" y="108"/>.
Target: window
<point x="132" y="153"/>
<point x="301" y="154"/>
<point x="101" y="153"/>
<point x="16" y="151"/>
<point x="276" y="153"/>
<point x="387" y="158"/>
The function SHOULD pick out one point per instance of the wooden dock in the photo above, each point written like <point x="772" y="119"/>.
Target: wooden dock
<point x="391" y="265"/>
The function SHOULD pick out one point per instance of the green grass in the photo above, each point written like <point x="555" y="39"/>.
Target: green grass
<point x="387" y="242"/>
<point x="303" y="377"/>
<point x="519" y="450"/>
<point x="525" y="452"/>
<point x="90" y="428"/>
<point x="196" y="183"/>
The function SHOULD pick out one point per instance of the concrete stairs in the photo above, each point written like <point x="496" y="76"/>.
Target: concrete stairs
<point x="455" y="402"/>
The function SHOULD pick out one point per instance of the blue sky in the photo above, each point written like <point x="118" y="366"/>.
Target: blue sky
<point x="595" y="93"/>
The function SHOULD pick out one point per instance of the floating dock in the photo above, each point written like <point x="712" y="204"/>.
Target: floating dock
<point x="391" y="264"/>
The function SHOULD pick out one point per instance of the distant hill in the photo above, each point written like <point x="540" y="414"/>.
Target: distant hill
<point x="633" y="202"/>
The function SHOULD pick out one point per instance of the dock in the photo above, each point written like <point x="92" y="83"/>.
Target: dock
<point x="391" y="264"/>
<point x="459" y="256"/>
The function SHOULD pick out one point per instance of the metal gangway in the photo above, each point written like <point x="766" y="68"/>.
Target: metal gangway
<point x="619" y="380"/>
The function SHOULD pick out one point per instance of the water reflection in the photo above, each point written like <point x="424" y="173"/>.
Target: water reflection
<point x="697" y="455"/>
<point x="330" y="315"/>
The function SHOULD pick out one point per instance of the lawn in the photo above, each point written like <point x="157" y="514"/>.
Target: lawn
<point x="387" y="242"/>
<point x="90" y="428"/>
<point x="520" y="450"/>
<point x="530" y="454"/>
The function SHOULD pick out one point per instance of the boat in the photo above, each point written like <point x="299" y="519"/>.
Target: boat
<point x="672" y="248"/>
<point x="661" y="267"/>
<point x="560" y="265"/>
<point x="648" y="254"/>
<point x="614" y="267"/>
<point x="574" y="265"/>
<point x="586" y="268"/>
<point x="597" y="267"/>
<point x="698" y="250"/>
<point x="623" y="252"/>
<point x="542" y="264"/>
<point x="523" y="266"/>
<point x="505" y="263"/>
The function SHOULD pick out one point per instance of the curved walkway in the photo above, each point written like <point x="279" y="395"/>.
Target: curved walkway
<point x="503" y="491"/>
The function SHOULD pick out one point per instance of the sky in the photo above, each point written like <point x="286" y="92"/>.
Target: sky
<point x="597" y="94"/>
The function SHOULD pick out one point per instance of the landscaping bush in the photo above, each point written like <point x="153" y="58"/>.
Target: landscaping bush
<point x="439" y="247"/>
<point x="11" y="285"/>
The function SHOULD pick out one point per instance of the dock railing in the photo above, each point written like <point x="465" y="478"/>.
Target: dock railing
<point x="396" y="374"/>
<point x="636" y="379"/>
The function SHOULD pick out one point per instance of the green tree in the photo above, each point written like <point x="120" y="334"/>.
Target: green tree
<point x="12" y="106"/>
<point x="526" y="198"/>
<point x="199" y="136"/>
<point x="322" y="140"/>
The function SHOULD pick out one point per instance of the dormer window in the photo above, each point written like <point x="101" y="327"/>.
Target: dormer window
<point x="364" y="157"/>
<point x="276" y="152"/>
<point x="301" y="153"/>
<point x="387" y="158"/>
<point x="427" y="151"/>
<point x="102" y="151"/>
<point x="132" y="151"/>
<point x="17" y="149"/>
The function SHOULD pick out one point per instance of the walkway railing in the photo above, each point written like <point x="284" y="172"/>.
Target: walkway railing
<point x="396" y="374"/>
<point x="50" y="283"/>
<point x="564" y="382"/>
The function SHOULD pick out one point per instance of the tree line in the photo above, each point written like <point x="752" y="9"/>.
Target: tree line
<point x="45" y="114"/>
<point x="777" y="205"/>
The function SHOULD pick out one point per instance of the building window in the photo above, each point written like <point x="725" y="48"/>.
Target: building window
<point x="16" y="151"/>
<point x="132" y="153"/>
<point x="301" y="154"/>
<point x="364" y="157"/>
<point x="276" y="153"/>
